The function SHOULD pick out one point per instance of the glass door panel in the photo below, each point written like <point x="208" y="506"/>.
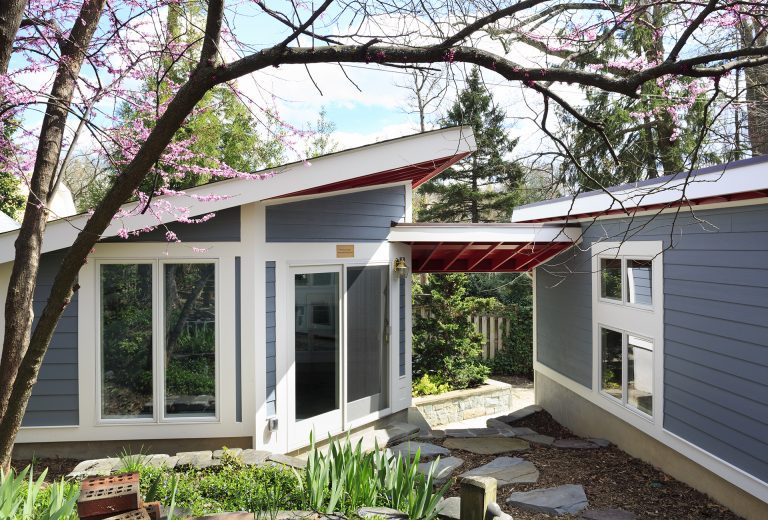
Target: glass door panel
<point x="317" y="354"/>
<point x="367" y="340"/>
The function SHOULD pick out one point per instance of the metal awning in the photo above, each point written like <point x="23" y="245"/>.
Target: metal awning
<point x="482" y="248"/>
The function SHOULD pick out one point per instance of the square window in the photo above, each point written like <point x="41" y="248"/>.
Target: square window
<point x="640" y="373"/>
<point x="611" y="365"/>
<point x="640" y="282"/>
<point x="610" y="278"/>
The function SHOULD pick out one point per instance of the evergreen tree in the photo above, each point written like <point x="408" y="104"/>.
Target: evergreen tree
<point x="11" y="199"/>
<point x="483" y="187"/>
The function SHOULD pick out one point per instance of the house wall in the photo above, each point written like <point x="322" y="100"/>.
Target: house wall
<point x="363" y="216"/>
<point x="223" y="227"/>
<point x="271" y="339"/>
<point x="715" y="347"/>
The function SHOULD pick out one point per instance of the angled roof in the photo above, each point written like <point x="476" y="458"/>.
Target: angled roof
<point x="731" y="182"/>
<point x="7" y="223"/>
<point x="482" y="248"/>
<point x="414" y="159"/>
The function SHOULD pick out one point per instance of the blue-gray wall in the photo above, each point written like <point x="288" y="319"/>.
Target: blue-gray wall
<point x="54" y="400"/>
<point x="401" y="322"/>
<point x="715" y="330"/>
<point x="364" y="216"/>
<point x="224" y="227"/>
<point x="270" y="329"/>
<point x="238" y="344"/>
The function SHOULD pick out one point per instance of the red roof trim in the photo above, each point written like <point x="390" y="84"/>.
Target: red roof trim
<point x="416" y="173"/>
<point x="481" y="257"/>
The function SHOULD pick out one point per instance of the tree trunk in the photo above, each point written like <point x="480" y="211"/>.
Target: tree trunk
<point x="21" y="287"/>
<point x="11" y="13"/>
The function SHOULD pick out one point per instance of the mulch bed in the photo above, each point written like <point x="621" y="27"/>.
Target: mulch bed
<point x="57" y="467"/>
<point x="611" y="478"/>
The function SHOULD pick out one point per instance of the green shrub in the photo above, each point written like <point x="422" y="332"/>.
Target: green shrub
<point x="516" y="356"/>
<point x="446" y="345"/>
<point x="429" y="386"/>
<point x="23" y="497"/>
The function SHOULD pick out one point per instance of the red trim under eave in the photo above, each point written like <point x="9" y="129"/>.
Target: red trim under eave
<point x="442" y="257"/>
<point x="418" y="174"/>
<point x="734" y="197"/>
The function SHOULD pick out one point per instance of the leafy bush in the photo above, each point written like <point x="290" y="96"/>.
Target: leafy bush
<point x="23" y="497"/>
<point x="446" y="345"/>
<point x="429" y="386"/>
<point x="516" y="356"/>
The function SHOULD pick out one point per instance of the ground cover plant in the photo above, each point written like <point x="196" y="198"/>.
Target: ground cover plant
<point x="22" y="496"/>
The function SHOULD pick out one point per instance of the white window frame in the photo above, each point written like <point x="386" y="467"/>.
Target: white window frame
<point x="158" y="343"/>
<point x="645" y="321"/>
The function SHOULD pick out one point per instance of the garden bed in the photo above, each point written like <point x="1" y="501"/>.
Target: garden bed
<point x="494" y="397"/>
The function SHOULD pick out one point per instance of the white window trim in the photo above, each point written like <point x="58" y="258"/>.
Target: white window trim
<point x="623" y="317"/>
<point x="158" y="345"/>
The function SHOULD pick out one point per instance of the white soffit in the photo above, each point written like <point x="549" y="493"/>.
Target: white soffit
<point x="750" y="175"/>
<point x="290" y="178"/>
<point x="465" y="233"/>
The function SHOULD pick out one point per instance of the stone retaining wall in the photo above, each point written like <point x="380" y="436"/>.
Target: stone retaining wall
<point x="494" y="397"/>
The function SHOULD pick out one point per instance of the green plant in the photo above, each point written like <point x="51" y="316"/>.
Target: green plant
<point x="23" y="497"/>
<point x="516" y="356"/>
<point x="429" y="386"/>
<point x="132" y="462"/>
<point x="445" y="343"/>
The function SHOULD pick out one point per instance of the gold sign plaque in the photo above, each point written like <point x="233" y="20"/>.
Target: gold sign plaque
<point x="345" y="251"/>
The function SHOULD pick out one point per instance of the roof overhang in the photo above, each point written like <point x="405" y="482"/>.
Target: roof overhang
<point x="727" y="183"/>
<point x="482" y="248"/>
<point x="415" y="159"/>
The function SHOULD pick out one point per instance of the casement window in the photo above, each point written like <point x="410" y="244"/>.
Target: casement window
<point x="628" y="321"/>
<point x="157" y="340"/>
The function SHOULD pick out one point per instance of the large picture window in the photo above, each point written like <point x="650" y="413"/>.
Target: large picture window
<point x="628" y="323"/>
<point x="158" y="376"/>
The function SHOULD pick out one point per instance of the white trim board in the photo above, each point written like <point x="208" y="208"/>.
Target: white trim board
<point x="523" y="233"/>
<point x="291" y="178"/>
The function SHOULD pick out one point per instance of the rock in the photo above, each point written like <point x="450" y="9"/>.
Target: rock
<point x="608" y="514"/>
<point x="93" y="468"/>
<point x="399" y="432"/>
<point x="561" y="500"/>
<point x="603" y="443"/>
<point x="494" y="512"/>
<point x="225" y="516"/>
<point x="287" y="460"/>
<point x="487" y="445"/>
<point x="537" y="438"/>
<point x="427" y="451"/>
<point x="301" y="515"/>
<point x="578" y="444"/>
<point x="235" y="452"/>
<point x="449" y="508"/>
<point x="520" y="414"/>
<point x="194" y="458"/>
<point x="380" y="512"/>
<point x="479" y="432"/>
<point x="157" y="461"/>
<point x="444" y="468"/>
<point x="254" y="457"/>
<point x="507" y="470"/>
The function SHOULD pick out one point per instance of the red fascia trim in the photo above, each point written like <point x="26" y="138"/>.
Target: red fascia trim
<point x="416" y="173"/>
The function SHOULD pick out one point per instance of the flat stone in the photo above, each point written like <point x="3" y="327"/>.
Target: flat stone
<point x="287" y="460"/>
<point x="578" y="444"/>
<point x="194" y="458"/>
<point x="478" y="432"/>
<point x="443" y="468"/>
<point x="399" y="432"/>
<point x="157" y="460"/>
<point x="254" y="457"/>
<point x="94" y="467"/>
<point x="380" y="512"/>
<point x="520" y="414"/>
<point x="235" y="452"/>
<point x="427" y="451"/>
<point x="225" y="516"/>
<point x="537" y="438"/>
<point x="603" y="443"/>
<point x="449" y="508"/>
<point x="302" y="515"/>
<point x="506" y="470"/>
<point x="494" y="512"/>
<point x="560" y="500"/>
<point x="487" y="445"/>
<point x="608" y="514"/>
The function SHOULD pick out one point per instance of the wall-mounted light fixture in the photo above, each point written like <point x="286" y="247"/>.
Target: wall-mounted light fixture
<point x="401" y="268"/>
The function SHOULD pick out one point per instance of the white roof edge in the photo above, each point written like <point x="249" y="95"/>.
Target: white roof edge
<point x="7" y="223"/>
<point x="730" y="179"/>
<point x="531" y="233"/>
<point x="290" y="178"/>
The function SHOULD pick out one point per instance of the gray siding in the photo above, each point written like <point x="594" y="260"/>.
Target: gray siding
<point x="224" y="227"/>
<point x="238" y="345"/>
<point x="401" y="322"/>
<point x="54" y="400"/>
<point x="715" y="330"/>
<point x="270" y="328"/>
<point x="354" y="217"/>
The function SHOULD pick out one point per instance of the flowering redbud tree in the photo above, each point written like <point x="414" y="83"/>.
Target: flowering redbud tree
<point x="66" y="65"/>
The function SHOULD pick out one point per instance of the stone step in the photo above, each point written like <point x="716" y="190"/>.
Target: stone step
<point x="569" y="499"/>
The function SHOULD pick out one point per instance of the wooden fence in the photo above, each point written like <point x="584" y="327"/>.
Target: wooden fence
<point x="493" y="329"/>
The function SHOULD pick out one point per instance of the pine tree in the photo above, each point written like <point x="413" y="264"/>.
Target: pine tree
<point x="483" y="187"/>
